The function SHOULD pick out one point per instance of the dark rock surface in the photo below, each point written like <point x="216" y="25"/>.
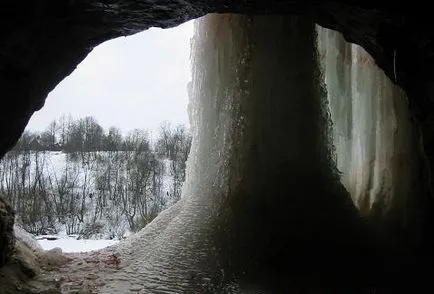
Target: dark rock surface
<point x="6" y="231"/>
<point x="25" y="263"/>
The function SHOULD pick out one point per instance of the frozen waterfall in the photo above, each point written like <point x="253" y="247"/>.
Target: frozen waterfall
<point x="373" y="132"/>
<point x="264" y="207"/>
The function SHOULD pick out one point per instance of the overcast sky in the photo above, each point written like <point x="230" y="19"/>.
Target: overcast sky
<point x="129" y="82"/>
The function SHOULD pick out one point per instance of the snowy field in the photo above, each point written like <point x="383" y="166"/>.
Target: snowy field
<point x="70" y="244"/>
<point x="99" y="195"/>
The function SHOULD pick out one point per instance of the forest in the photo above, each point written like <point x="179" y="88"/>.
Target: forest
<point x="75" y="177"/>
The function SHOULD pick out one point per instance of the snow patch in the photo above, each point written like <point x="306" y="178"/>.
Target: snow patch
<point x="70" y="244"/>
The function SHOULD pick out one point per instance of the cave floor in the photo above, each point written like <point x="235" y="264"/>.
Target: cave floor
<point x="82" y="273"/>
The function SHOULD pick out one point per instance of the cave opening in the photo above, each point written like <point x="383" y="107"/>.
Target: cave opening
<point x="106" y="154"/>
<point x="251" y="217"/>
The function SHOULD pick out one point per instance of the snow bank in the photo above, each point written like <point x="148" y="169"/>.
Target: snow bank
<point x="70" y="244"/>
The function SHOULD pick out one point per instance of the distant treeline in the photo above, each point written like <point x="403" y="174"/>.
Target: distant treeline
<point x="85" y="134"/>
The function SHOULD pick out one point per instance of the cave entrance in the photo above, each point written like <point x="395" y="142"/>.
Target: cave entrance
<point x="107" y="151"/>
<point x="252" y="209"/>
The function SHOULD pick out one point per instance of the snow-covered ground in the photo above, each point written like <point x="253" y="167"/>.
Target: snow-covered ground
<point x="70" y="244"/>
<point x="98" y="194"/>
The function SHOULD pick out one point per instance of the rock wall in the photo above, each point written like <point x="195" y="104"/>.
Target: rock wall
<point x="7" y="240"/>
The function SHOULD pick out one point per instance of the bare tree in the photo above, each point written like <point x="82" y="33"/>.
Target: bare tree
<point x="174" y="145"/>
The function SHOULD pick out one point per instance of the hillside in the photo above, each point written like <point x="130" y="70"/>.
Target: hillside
<point x="103" y="194"/>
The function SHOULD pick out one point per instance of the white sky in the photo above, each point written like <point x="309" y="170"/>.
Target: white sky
<point x="129" y="82"/>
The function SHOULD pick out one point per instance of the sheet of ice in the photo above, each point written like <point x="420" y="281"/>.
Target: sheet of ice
<point x="372" y="128"/>
<point x="247" y="120"/>
<point x="175" y="253"/>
